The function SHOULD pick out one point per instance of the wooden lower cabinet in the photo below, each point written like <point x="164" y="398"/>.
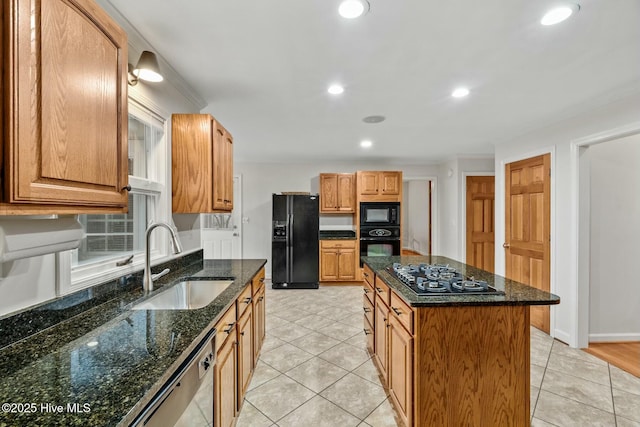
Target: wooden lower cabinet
<point x="401" y="369"/>
<point x="245" y="353"/>
<point x="380" y="337"/>
<point x="226" y="379"/>
<point x="453" y="370"/>
<point x="338" y="261"/>
<point x="259" y="315"/>
<point x="238" y="344"/>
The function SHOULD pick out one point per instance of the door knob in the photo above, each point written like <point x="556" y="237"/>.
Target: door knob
<point x="506" y="245"/>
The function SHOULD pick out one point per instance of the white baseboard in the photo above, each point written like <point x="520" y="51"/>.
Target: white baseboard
<point x="614" y="337"/>
<point x="562" y="336"/>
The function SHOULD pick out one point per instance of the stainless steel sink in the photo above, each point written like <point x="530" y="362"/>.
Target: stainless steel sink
<point x="187" y="295"/>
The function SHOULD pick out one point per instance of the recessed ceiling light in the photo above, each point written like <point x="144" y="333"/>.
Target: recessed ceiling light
<point x="559" y="14"/>
<point x="366" y="143"/>
<point x="460" y="92"/>
<point x="374" y="119"/>
<point x="335" y="89"/>
<point x="353" y="8"/>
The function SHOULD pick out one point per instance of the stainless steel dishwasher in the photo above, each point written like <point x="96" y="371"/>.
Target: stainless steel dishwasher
<point x="187" y="398"/>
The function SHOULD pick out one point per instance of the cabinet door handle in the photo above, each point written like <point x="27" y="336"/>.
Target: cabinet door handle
<point x="367" y="332"/>
<point x="396" y="311"/>
<point x="228" y="331"/>
<point x="366" y="291"/>
<point x="126" y="187"/>
<point x="261" y="280"/>
<point x="247" y="300"/>
<point x="366" y="275"/>
<point x="242" y="333"/>
<point x="379" y="290"/>
<point x="261" y="298"/>
<point x="366" y="309"/>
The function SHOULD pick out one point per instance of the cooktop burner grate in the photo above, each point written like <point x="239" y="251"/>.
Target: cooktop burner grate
<point x="437" y="279"/>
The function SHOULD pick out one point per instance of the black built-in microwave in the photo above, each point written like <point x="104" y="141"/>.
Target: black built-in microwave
<point x="380" y="214"/>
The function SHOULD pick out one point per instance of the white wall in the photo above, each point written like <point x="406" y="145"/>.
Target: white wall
<point x="261" y="180"/>
<point x="556" y="139"/>
<point x="615" y="232"/>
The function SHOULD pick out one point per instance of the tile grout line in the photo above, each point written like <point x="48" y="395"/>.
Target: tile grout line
<point x="613" y="401"/>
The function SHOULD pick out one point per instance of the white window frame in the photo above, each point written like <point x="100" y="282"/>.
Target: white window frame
<point x="73" y="278"/>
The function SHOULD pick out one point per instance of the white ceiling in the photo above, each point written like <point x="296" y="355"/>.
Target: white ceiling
<point x="264" y="67"/>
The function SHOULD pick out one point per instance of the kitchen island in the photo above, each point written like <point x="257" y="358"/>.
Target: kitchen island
<point x="451" y="359"/>
<point x="101" y="364"/>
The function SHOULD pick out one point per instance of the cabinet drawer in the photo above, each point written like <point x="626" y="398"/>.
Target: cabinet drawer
<point x="402" y="312"/>
<point x="244" y="300"/>
<point x="368" y="291"/>
<point x="337" y="244"/>
<point x="258" y="281"/>
<point x="226" y="327"/>
<point x="368" y="275"/>
<point x="368" y="332"/>
<point x="382" y="291"/>
<point x="367" y="306"/>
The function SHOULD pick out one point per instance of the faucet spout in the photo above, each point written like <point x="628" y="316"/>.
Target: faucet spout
<point x="147" y="279"/>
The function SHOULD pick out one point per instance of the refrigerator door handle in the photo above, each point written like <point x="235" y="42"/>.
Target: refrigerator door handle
<point x="289" y="247"/>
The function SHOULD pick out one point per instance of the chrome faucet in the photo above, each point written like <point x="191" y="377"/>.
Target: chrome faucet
<point x="148" y="278"/>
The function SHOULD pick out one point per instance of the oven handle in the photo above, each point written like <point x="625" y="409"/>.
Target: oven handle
<point x="383" y="239"/>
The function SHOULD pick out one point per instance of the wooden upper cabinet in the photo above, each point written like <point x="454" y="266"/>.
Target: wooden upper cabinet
<point x="337" y="193"/>
<point x="64" y="95"/>
<point x="202" y="164"/>
<point x="382" y="186"/>
<point x="223" y="168"/>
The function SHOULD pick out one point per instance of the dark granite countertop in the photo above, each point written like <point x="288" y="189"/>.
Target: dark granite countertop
<point x="109" y="357"/>
<point x="515" y="293"/>
<point x="337" y="235"/>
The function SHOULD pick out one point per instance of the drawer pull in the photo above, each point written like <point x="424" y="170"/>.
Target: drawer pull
<point x="228" y="331"/>
<point x="366" y="291"/>
<point x="396" y="311"/>
<point x="379" y="290"/>
<point x="247" y="300"/>
<point x="366" y="309"/>
<point x="366" y="275"/>
<point x="261" y="280"/>
<point x="367" y="332"/>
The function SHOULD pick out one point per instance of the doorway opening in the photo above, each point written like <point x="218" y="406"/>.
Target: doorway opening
<point x="418" y="220"/>
<point x="607" y="182"/>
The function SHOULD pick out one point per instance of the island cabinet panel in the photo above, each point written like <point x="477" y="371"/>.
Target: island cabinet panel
<point x="476" y="375"/>
<point x="64" y="97"/>
<point x="401" y="369"/>
<point x="381" y="322"/>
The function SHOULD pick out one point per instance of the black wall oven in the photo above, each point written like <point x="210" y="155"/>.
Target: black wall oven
<point x="379" y="246"/>
<point x="379" y="214"/>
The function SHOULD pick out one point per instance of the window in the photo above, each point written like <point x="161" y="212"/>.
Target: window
<point x="110" y="238"/>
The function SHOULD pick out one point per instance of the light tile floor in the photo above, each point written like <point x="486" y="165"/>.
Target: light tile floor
<point x="314" y="371"/>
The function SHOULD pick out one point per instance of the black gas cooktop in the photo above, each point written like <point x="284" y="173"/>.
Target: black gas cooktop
<point x="437" y="279"/>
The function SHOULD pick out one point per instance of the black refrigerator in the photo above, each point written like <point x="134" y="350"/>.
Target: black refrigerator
<point x="294" y="244"/>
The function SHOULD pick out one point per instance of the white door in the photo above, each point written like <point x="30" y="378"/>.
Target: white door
<point x="222" y="233"/>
